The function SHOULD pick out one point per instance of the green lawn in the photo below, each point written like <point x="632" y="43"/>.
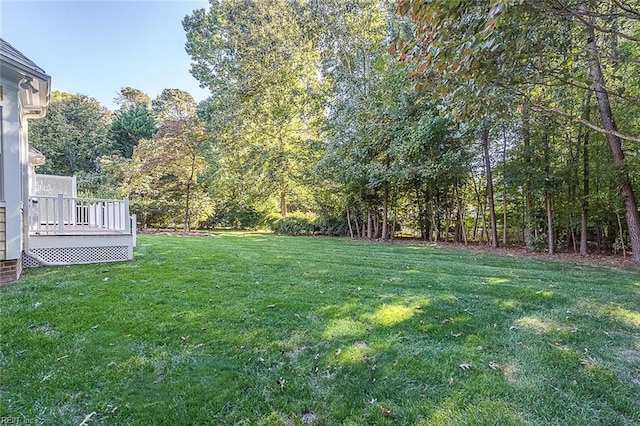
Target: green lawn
<point x="249" y="328"/>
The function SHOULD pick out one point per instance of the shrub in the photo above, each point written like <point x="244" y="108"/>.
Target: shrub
<point x="296" y="223"/>
<point x="331" y="226"/>
<point x="235" y="216"/>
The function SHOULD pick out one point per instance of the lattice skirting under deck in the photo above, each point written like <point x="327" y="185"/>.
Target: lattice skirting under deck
<point x="75" y="255"/>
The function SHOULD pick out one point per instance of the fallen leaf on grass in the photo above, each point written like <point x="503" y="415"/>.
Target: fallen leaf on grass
<point x="339" y="351"/>
<point x="86" y="420"/>
<point x="456" y="334"/>
<point x="586" y="362"/>
<point x="465" y="366"/>
<point x="385" y="411"/>
<point x="495" y="366"/>
<point x="309" y="417"/>
<point x="184" y="338"/>
<point x="271" y="306"/>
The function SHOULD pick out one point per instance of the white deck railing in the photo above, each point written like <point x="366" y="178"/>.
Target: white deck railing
<point x="74" y="215"/>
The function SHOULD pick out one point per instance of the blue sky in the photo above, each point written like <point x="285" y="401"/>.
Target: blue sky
<point x="97" y="47"/>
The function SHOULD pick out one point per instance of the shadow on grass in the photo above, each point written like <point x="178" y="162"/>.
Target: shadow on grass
<point x="261" y="329"/>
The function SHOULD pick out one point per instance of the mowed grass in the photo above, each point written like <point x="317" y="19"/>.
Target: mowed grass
<point x="250" y="328"/>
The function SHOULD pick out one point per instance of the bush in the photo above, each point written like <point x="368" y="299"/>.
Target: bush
<point x="331" y="226"/>
<point x="235" y="216"/>
<point x="295" y="223"/>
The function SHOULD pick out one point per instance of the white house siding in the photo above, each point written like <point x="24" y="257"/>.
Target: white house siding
<point x="14" y="164"/>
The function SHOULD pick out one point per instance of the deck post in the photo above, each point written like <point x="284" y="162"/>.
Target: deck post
<point x="60" y="212"/>
<point x="127" y="220"/>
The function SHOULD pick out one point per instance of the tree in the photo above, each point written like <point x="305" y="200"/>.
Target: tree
<point x="502" y="49"/>
<point x="173" y="105"/>
<point x="129" y="126"/>
<point x="162" y="179"/>
<point x="258" y="56"/>
<point x="130" y="96"/>
<point x="73" y="135"/>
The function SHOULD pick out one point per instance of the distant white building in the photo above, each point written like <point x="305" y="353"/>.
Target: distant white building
<point x="42" y="221"/>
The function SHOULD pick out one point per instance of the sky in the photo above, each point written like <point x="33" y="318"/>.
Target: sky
<point x="97" y="47"/>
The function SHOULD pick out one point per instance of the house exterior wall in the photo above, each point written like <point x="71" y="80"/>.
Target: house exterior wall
<point x="14" y="151"/>
<point x="3" y="234"/>
<point x="10" y="271"/>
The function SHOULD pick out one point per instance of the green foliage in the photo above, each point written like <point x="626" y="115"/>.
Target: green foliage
<point x="129" y="126"/>
<point x="72" y="136"/>
<point x="173" y="105"/>
<point x="164" y="178"/>
<point x="130" y="96"/>
<point x="331" y="226"/>
<point x="260" y="64"/>
<point x="235" y="216"/>
<point x="295" y="223"/>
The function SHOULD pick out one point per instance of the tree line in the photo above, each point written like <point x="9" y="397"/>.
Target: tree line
<point x="497" y="122"/>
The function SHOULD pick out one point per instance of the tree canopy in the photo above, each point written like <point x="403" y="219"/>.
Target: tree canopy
<point x="512" y="121"/>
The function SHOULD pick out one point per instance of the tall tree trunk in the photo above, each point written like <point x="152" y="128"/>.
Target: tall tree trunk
<point x="504" y="185"/>
<point x="447" y="224"/>
<point x="376" y="225"/>
<point x="551" y="243"/>
<point x="421" y="215"/>
<point x="586" y="113"/>
<point x="490" y="199"/>
<point x="615" y="145"/>
<point x="187" y="208"/>
<point x="621" y="236"/>
<point x="460" y="215"/>
<point x="478" y="207"/>
<point x="434" y="222"/>
<point x="385" y="214"/>
<point x="283" y="203"/>
<point x="526" y="139"/>
<point x="369" y="224"/>
<point x="349" y="223"/>
<point x="551" y="240"/>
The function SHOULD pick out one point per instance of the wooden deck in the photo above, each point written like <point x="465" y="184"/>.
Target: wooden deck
<point x="71" y="230"/>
